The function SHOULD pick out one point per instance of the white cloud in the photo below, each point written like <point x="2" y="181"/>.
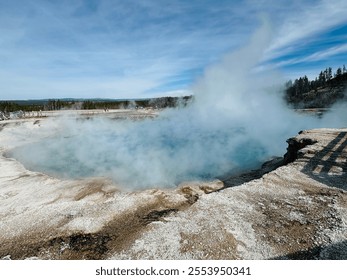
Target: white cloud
<point x="119" y="42"/>
<point x="327" y="53"/>
<point x="317" y="56"/>
<point x="311" y="20"/>
<point x="66" y="42"/>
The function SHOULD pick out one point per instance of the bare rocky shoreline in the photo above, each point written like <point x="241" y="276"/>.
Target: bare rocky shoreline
<point x="296" y="208"/>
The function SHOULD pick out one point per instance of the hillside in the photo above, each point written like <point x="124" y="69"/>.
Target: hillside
<point x="322" y="92"/>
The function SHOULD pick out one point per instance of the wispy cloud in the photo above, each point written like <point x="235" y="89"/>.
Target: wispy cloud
<point x="310" y="18"/>
<point x="317" y="56"/>
<point x="115" y="40"/>
<point x="137" y="48"/>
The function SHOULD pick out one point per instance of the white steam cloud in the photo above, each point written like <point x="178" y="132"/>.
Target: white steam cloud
<point x="236" y="122"/>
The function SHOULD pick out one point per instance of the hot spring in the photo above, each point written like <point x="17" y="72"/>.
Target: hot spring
<point x="196" y="142"/>
<point x="161" y="152"/>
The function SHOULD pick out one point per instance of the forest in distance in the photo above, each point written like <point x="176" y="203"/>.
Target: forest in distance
<point x="321" y="92"/>
<point x="92" y="104"/>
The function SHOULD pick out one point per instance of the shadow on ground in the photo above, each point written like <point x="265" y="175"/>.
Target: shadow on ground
<point x="237" y="180"/>
<point x="329" y="166"/>
<point x="335" y="251"/>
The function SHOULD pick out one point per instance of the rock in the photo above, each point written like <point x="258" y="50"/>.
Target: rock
<point x="294" y="146"/>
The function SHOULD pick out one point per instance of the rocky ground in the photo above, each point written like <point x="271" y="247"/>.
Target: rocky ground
<point x="295" y="208"/>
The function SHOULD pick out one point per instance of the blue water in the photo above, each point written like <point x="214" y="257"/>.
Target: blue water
<point x="141" y="157"/>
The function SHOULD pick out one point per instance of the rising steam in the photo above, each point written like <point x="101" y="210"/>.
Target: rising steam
<point x="236" y="122"/>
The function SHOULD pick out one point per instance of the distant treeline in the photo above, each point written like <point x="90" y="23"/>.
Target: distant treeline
<point x="61" y="104"/>
<point x="12" y="106"/>
<point x="157" y="103"/>
<point x="307" y="91"/>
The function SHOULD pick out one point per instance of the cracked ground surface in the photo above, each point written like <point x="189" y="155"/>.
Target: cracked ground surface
<point x="297" y="211"/>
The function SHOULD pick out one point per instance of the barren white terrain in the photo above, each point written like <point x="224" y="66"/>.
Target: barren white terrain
<point x="296" y="211"/>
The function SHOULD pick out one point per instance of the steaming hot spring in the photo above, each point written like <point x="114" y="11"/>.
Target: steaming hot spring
<point x="142" y="149"/>
<point x="155" y="150"/>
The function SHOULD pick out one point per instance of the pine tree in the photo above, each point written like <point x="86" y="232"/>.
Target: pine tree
<point x="329" y="73"/>
<point x="321" y="78"/>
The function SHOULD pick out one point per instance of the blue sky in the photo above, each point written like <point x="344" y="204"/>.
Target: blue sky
<point x="146" y="48"/>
